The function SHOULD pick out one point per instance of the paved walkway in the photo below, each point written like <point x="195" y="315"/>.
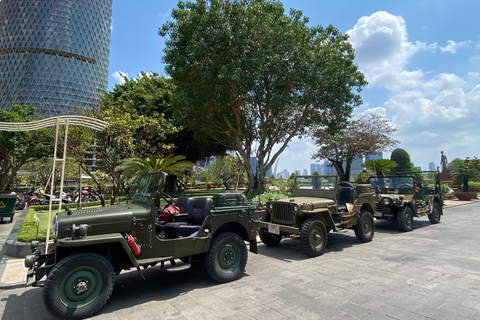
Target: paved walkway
<point x="432" y="272"/>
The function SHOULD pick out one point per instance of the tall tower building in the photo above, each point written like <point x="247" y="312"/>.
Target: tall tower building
<point x="54" y="53"/>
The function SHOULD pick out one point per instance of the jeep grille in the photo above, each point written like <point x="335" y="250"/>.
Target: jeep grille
<point x="380" y="207"/>
<point x="282" y="213"/>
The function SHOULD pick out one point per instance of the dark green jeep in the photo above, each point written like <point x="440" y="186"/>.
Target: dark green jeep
<point x="401" y="197"/>
<point x="91" y="246"/>
<point x="319" y="205"/>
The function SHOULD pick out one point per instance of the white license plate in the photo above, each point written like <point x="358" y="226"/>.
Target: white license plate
<point x="272" y="228"/>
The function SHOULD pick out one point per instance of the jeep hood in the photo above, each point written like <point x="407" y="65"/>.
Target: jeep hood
<point x="307" y="203"/>
<point x="111" y="219"/>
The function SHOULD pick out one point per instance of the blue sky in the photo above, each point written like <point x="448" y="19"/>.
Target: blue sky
<point x="421" y="58"/>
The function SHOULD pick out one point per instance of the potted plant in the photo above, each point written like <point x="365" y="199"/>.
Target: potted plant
<point x="463" y="171"/>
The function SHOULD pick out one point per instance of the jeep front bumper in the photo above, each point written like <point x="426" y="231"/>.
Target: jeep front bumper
<point x="38" y="265"/>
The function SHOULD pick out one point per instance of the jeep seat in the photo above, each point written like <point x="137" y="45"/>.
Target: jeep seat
<point x="347" y="195"/>
<point x="200" y="210"/>
<point x="185" y="204"/>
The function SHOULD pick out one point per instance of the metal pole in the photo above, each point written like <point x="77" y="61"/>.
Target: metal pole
<point x="79" y="184"/>
<point x="63" y="167"/>
<point x="52" y="188"/>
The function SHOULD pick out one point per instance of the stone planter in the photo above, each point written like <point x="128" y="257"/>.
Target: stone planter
<point x="466" y="196"/>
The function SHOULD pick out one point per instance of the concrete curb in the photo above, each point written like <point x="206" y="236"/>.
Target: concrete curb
<point x="6" y="286"/>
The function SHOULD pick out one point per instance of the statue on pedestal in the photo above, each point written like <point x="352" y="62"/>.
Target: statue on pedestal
<point x="444" y="163"/>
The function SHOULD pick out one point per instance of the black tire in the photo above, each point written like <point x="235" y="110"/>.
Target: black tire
<point x="436" y="214"/>
<point x="270" y="239"/>
<point x="365" y="228"/>
<point x="227" y="257"/>
<point x="405" y="219"/>
<point x="62" y="294"/>
<point x="314" y="237"/>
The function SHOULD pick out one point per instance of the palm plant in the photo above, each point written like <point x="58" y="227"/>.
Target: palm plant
<point x="379" y="165"/>
<point x="171" y="164"/>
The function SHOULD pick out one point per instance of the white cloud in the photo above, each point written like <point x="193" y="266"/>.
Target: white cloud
<point x="378" y="110"/>
<point x="432" y="111"/>
<point x="119" y="77"/>
<point x="382" y="50"/>
<point x="453" y="46"/>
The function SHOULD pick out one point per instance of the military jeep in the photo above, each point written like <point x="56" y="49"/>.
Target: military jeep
<point x="91" y="246"/>
<point x="401" y="198"/>
<point x="319" y="205"/>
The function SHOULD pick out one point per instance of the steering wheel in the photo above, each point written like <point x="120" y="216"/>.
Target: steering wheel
<point x="168" y="199"/>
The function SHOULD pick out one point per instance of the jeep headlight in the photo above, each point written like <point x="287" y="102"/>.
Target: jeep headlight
<point x="270" y="206"/>
<point x="295" y="208"/>
<point x="386" y="201"/>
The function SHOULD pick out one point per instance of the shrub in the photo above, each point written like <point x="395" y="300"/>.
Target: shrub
<point x="271" y="195"/>
<point x="33" y="228"/>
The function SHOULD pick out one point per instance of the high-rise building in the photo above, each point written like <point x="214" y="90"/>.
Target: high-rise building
<point x="431" y="166"/>
<point x="315" y="167"/>
<point x="54" y="53"/>
<point x="376" y="156"/>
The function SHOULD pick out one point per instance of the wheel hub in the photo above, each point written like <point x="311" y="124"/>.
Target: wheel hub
<point x="81" y="286"/>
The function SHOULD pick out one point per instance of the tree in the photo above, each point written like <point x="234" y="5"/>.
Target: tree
<point x="136" y="111"/>
<point x="464" y="171"/>
<point x="20" y="148"/>
<point x="379" y="165"/>
<point x="252" y="78"/>
<point x="171" y="164"/>
<point x="402" y="158"/>
<point x="41" y="170"/>
<point x="364" y="134"/>
<point x="228" y="169"/>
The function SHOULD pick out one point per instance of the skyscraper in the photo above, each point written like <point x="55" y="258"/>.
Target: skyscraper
<point x="54" y="53"/>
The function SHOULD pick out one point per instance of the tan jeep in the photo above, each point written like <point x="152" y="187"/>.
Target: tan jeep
<point x="319" y="205"/>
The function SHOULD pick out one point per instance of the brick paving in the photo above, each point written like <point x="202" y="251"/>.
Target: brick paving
<point x="432" y="272"/>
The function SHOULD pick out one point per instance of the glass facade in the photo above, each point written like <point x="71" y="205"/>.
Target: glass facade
<point x="54" y="53"/>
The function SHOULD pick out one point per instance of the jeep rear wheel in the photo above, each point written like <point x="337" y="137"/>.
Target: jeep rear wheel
<point x="365" y="228"/>
<point x="435" y="216"/>
<point x="268" y="238"/>
<point x="313" y="235"/>
<point x="405" y="219"/>
<point x="227" y="257"/>
<point x="78" y="286"/>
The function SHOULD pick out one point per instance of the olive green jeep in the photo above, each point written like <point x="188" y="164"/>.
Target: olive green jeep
<point x="404" y="196"/>
<point x="319" y="205"/>
<point x="91" y="246"/>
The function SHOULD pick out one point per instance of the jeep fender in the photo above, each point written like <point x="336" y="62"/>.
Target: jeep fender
<point x="92" y="240"/>
<point x="326" y="218"/>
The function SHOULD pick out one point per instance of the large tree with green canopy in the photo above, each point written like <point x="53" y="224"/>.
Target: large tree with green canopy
<point x="252" y="78"/>
<point x="364" y="134"/>
<point x="20" y="148"/>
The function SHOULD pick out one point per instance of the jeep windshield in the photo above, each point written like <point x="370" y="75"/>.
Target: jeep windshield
<point x="393" y="183"/>
<point x="316" y="182"/>
<point x="148" y="185"/>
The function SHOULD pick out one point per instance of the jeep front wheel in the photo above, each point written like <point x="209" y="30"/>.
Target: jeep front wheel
<point x="313" y="235"/>
<point x="78" y="286"/>
<point x="435" y="216"/>
<point x="405" y="219"/>
<point x="268" y="238"/>
<point x="365" y="227"/>
<point x="227" y="257"/>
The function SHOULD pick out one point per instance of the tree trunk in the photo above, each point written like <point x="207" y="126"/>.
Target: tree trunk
<point x="339" y="167"/>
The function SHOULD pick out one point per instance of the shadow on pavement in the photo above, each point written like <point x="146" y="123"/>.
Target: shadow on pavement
<point x="15" y="306"/>
<point x="391" y="226"/>
<point x="159" y="285"/>
<point x="290" y="249"/>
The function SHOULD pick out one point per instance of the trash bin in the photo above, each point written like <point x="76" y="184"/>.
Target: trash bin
<point x="7" y="206"/>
